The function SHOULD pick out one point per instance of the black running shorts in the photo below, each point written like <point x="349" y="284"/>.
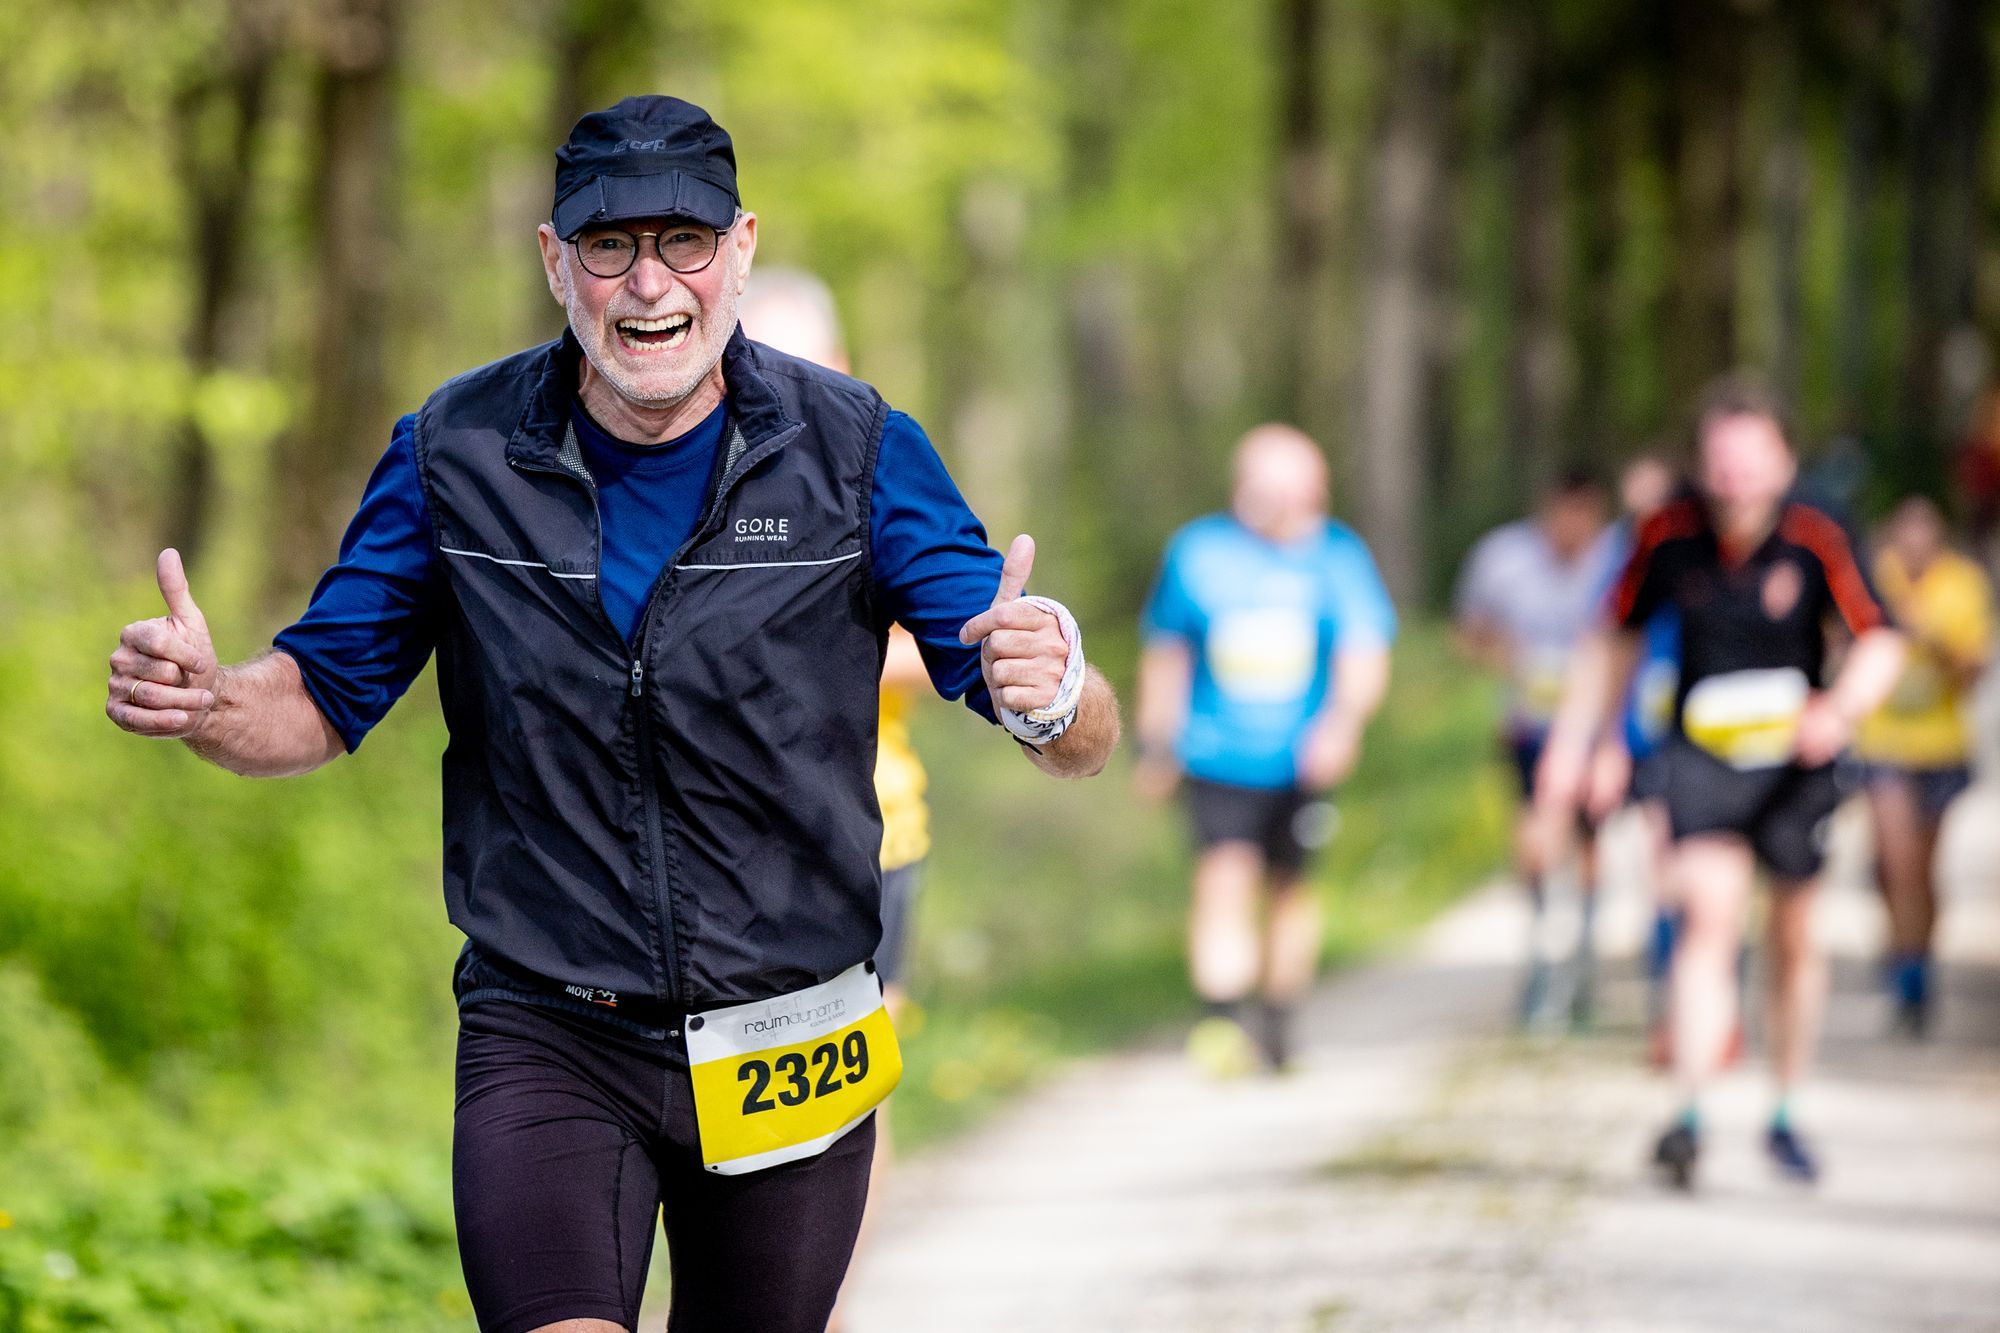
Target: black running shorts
<point x="1783" y="812"/>
<point x="1285" y="823"/>
<point x="571" y="1136"/>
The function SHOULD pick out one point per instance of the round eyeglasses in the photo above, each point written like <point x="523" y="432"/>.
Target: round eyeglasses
<point x="610" y="252"/>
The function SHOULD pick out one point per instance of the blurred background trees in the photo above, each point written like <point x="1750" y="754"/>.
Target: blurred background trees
<point x="1463" y="242"/>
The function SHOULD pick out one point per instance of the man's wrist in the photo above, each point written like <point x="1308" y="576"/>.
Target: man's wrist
<point x="1040" y="726"/>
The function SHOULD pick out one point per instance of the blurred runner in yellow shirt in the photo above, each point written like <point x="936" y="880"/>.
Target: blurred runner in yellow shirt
<point x="793" y="311"/>
<point x="1918" y="746"/>
<point x="906" y="821"/>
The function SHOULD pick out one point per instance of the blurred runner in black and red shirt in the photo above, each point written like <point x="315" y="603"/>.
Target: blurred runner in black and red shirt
<point x="1748" y="771"/>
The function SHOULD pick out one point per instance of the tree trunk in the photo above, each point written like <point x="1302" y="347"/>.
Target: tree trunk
<point x="1302" y="212"/>
<point x="1945" y="177"/>
<point x="1710" y="38"/>
<point x="1785" y="184"/>
<point x="1600" y="121"/>
<point x="1399" y="314"/>
<point x="217" y="116"/>
<point x="1862" y="114"/>
<point x="1538" y="363"/>
<point x="345" y="420"/>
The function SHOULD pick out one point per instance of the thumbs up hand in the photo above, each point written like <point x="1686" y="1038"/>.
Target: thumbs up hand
<point x="1023" y="652"/>
<point x="163" y="674"/>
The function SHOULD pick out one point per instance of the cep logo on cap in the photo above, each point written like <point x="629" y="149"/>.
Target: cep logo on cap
<point x="639" y="146"/>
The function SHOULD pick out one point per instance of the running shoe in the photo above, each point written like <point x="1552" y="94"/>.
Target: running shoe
<point x="1910" y="984"/>
<point x="1221" y="1049"/>
<point x="1534" y="994"/>
<point x="1274" y="1036"/>
<point x="1790" y="1156"/>
<point x="1674" y="1155"/>
<point x="1583" y="1005"/>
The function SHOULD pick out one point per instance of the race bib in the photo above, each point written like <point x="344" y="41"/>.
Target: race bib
<point x="1540" y="675"/>
<point x="776" y="1080"/>
<point x="1264" y="656"/>
<point x="1653" y="698"/>
<point x="1747" y="719"/>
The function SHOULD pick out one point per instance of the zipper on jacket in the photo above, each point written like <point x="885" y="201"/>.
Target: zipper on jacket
<point x="735" y="466"/>
<point x="668" y="932"/>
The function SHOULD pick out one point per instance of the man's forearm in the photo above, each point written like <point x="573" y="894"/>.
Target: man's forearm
<point x="1082" y="750"/>
<point x="264" y="724"/>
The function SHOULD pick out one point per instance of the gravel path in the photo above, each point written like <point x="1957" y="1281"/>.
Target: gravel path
<point x="1423" y="1169"/>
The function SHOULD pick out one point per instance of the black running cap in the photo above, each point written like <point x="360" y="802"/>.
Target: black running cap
<point x="647" y="157"/>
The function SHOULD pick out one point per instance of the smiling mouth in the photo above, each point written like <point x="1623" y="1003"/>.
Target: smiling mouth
<point x="649" y="336"/>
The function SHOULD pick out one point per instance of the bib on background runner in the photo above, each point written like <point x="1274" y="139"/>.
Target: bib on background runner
<point x="1747" y="719"/>
<point x="1265" y="655"/>
<point x="780" y="1079"/>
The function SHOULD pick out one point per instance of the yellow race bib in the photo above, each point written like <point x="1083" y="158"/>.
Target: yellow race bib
<point x="780" y="1079"/>
<point x="1747" y="719"/>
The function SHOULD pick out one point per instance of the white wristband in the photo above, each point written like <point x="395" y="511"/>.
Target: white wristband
<point x="1039" y="726"/>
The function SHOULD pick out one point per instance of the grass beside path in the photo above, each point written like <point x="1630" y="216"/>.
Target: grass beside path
<point x="1051" y="919"/>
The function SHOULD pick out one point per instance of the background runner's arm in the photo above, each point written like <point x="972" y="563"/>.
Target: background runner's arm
<point x="1866" y="678"/>
<point x="903" y="665"/>
<point x="1364" y="625"/>
<point x="1475" y="628"/>
<point x="1600" y="672"/>
<point x="1166" y="676"/>
<point x="1873" y="664"/>
<point x="1360" y="681"/>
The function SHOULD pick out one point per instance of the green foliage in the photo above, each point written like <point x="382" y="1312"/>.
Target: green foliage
<point x="225" y="1033"/>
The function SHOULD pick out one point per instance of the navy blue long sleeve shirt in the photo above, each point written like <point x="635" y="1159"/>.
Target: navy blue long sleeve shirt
<point x="372" y="622"/>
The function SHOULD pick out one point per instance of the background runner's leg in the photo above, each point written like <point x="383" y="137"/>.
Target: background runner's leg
<point x="1291" y="955"/>
<point x="1222" y="934"/>
<point x="1798" y="981"/>
<point x="1712" y="874"/>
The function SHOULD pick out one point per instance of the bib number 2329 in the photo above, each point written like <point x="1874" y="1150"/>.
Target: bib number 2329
<point x="781" y="1079"/>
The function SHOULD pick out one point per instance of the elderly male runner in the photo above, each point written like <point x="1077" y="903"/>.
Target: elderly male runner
<point x="657" y="563"/>
<point x="1747" y="772"/>
<point x="1267" y="652"/>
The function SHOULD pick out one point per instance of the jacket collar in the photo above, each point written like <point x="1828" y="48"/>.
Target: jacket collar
<point x="754" y="408"/>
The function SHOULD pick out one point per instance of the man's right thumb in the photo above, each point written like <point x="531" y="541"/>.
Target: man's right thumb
<point x="174" y="588"/>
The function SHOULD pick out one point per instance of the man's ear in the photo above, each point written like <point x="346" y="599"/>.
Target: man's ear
<point x="552" y="263"/>
<point x="744" y="237"/>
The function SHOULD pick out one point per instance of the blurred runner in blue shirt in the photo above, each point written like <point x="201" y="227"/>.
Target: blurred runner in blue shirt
<point x="1645" y="487"/>
<point x="1267" y="651"/>
<point x="1529" y="592"/>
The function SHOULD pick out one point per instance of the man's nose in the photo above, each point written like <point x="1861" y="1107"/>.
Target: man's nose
<point x="650" y="278"/>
